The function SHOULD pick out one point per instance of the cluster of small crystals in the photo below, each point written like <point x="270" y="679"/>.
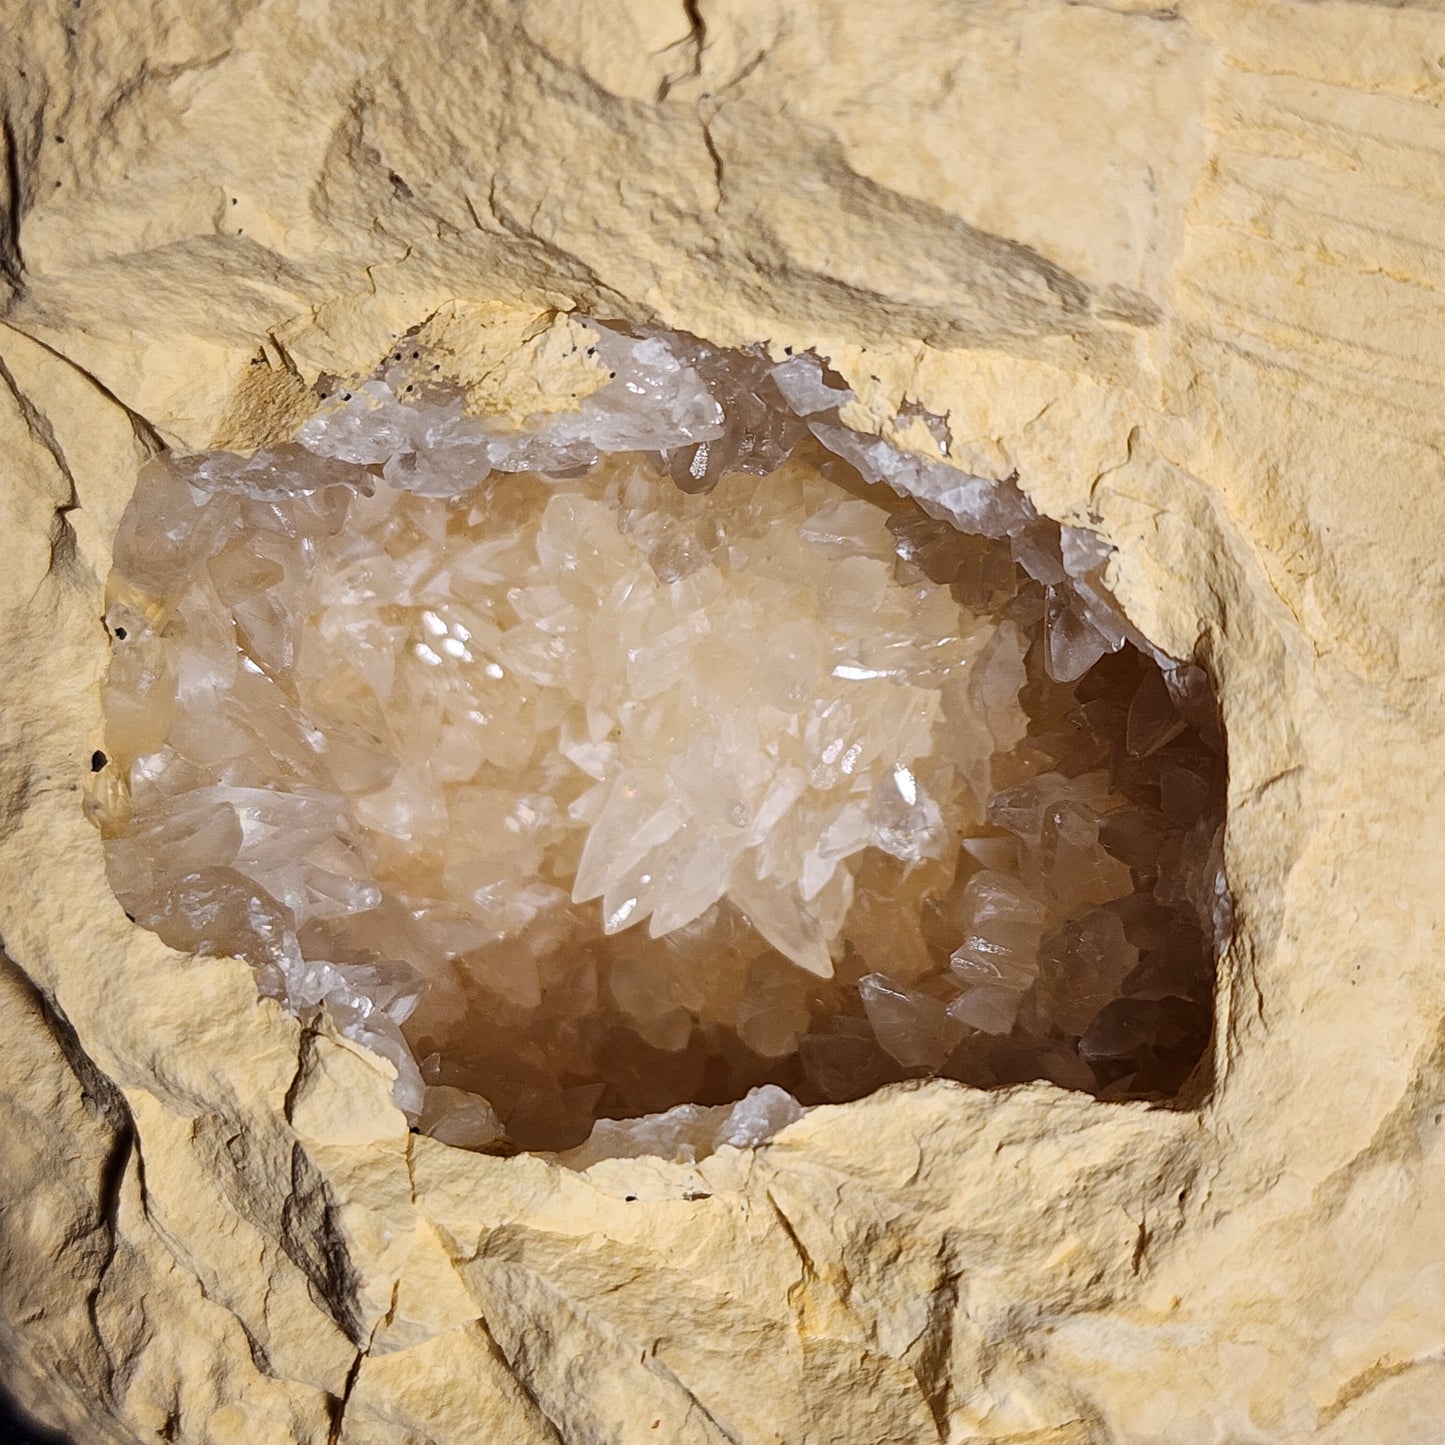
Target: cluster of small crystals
<point x="680" y="760"/>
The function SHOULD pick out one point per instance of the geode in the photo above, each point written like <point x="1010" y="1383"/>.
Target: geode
<point x="687" y="755"/>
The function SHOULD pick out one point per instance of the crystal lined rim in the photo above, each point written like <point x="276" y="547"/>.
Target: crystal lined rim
<point x="676" y="400"/>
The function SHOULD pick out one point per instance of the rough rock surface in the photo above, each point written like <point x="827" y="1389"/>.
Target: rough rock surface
<point x="1178" y="266"/>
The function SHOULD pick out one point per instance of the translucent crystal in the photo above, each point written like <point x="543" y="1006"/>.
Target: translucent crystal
<point x="804" y="388"/>
<point x="757" y="1117"/>
<point x="972" y="504"/>
<point x="758" y="434"/>
<point x="989" y="1008"/>
<point x="653" y="401"/>
<point x="914" y="1027"/>
<point x="1005" y="926"/>
<point x="454" y="1116"/>
<point x="662" y="766"/>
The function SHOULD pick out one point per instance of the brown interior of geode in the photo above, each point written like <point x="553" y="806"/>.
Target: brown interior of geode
<point x="446" y="763"/>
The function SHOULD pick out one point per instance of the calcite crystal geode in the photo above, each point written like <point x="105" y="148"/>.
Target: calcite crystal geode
<point x="1176" y="266"/>
<point x="677" y="745"/>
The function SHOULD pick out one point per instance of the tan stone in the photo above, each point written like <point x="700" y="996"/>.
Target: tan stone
<point x="1181" y="268"/>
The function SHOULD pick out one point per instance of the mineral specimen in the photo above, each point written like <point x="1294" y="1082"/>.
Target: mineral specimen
<point x="680" y="749"/>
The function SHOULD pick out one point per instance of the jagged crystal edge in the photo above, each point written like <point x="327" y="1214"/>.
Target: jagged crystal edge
<point x="656" y="400"/>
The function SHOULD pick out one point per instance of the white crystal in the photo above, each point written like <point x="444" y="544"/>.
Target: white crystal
<point x="754" y="1119"/>
<point x="800" y="379"/>
<point x="637" y="750"/>
<point x="972" y="504"/>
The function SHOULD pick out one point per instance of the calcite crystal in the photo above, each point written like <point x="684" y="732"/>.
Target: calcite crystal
<point x="681" y="748"/>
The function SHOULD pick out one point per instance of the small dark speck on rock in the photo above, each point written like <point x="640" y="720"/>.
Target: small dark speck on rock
<point x="97" y="761"/>
<point x="129" y="914"/>
<point x="630" y="1199"/>
<point x="120" y="633"/>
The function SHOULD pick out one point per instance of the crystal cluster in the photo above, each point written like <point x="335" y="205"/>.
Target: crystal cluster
<point x="674" y="762"/>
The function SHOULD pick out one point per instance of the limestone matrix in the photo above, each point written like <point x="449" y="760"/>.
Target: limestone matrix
<point x="1178" y="269"/>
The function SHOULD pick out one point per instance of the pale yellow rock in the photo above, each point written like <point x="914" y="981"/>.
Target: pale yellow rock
<point x="1178" y="266"/>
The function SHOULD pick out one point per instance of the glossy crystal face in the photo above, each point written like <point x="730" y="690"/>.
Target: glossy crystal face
<point x="683" y="749"/>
